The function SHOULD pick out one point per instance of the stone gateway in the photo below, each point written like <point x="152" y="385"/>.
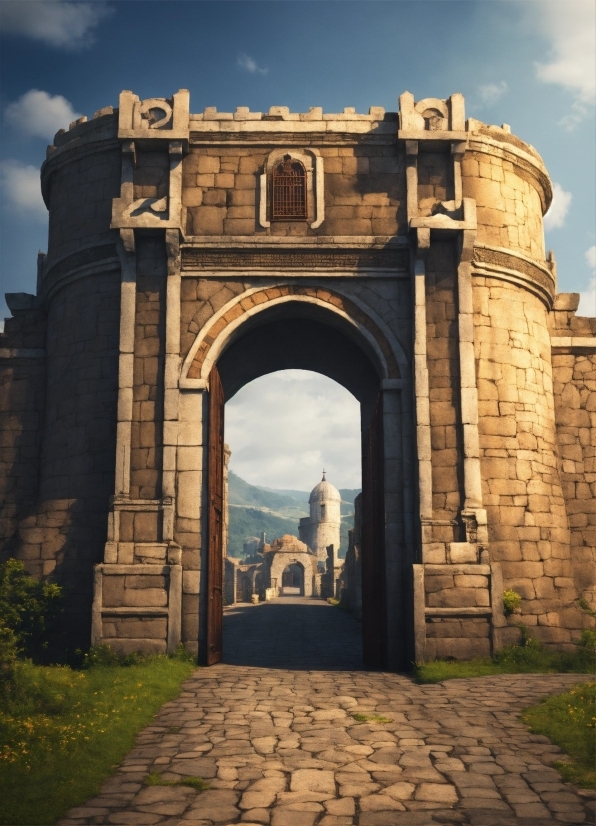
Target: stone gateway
<point x="400" y="254"/>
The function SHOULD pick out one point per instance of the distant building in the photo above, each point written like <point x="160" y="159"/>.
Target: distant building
<point x="322" y="528"/>
<point x="250" y="546"/>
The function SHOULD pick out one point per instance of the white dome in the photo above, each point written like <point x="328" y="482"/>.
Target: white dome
<point x="324" y="492"/>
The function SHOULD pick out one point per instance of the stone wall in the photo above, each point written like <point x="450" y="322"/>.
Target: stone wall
<point x="364" y="192"/>
<point x="443" y="371"/>
<point x="574" y="387"/>
<point x="148" y="388"/>
<point x="528" y="523"/>
<point x="22" y="405"/>
<point x="509" y="195"/>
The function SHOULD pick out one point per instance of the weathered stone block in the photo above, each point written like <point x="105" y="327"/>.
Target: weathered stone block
<point x="460" y="552"/>
<point x="145" y="597"/>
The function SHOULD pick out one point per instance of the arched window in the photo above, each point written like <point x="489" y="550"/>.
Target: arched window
<point x="288" y="190"/>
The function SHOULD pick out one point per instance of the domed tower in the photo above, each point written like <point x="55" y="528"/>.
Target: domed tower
<point x="322" y="527"/>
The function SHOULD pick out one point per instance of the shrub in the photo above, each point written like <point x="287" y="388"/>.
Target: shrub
<point x="8" y="655"/>
<point x="511" y="601"/>
<point x="28" y="608"/>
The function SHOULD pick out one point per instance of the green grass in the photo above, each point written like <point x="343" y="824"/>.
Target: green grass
<point x="197" y="783"/>
<point x="569" y="721"/>
<point x="527" y="659"/>
<point x="371" y="718"/>
<point x="62" y="731"/>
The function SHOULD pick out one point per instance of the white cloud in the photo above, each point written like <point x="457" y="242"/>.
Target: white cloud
<point x="570" y="27"/>
<point x="587" y="298"/>
<point x="284" y="428"/>
<point x="21" y="188"/>
<point x="555" y="217"/>
<point x="490" y="93"/>
<point x="249" y="65"/>
<point x="39" y="114"/>
<point x="56" y="23"/>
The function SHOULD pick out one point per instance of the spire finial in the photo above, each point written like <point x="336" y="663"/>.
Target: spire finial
<point x="323" y="479"/>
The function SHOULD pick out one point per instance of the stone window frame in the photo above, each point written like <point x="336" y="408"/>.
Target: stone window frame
<point x="288" y="191"/>
<point x="312" y="162"/>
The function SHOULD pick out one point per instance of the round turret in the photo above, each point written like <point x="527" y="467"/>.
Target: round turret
<point x="324" y="492"/>
<point x="322" y="528"/>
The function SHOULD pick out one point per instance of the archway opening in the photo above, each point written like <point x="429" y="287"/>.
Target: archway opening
<point x="286" y="523"/>
<point x="307" y="336"/>
<point x="292" y="580"/>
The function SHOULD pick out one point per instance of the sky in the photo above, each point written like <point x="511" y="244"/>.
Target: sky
<point x="528" y="63"/>
<point x="285" y="428"/>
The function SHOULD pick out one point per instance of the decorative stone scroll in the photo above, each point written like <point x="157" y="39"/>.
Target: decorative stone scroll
<point x="147" y="125"/>
<point x="423" y="120"/>
<point x="154" y="118"/>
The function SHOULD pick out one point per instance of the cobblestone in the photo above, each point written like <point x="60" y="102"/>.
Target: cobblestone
<point x="285" y="749"/>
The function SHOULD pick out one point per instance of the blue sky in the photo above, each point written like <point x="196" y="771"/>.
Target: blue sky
<point x="529" y="64"/>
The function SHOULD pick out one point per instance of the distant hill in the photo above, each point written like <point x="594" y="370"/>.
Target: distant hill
<point x="242" y="493"/>
<point x="246" y="522"/>
<point x="254" y="509"/>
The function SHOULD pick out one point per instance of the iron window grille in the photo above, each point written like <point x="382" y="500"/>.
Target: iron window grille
<point x="288" y="191"/>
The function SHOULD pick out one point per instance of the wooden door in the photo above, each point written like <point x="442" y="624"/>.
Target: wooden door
<point x="374" y="625"/>
<point x="215" y="520"/>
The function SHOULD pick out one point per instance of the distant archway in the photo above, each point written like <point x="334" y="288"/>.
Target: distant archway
<point x="292" y="580"/>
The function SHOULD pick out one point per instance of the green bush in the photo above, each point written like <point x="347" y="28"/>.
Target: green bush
<point x="28" y="608"/>
<point x="511" y="601"/>
<point x="8" y="655"/>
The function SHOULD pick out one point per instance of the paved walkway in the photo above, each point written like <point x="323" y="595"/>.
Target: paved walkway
<point x="281" y="746"/>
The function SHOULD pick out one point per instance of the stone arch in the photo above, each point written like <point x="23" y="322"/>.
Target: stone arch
<point x="356" y="321"/>
<point x="294" y="325"/>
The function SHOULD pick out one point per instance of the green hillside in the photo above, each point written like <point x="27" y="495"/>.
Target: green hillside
<point x="246" y="522"/>
<point x="255" y="509"/>
<point x="242" y="493"/>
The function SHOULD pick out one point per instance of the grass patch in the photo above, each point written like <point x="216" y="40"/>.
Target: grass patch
<point x="530" y="658"/>
<point x="371" y="718"/>
<point x="62" y="731"/>
<point x="569" y="721"/>
<point x="197" y="783"/>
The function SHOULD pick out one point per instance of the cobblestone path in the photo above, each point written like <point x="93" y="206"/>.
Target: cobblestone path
<point x="281" y="746"/>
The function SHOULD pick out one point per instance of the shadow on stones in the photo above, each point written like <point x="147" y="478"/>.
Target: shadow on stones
<point x="292" y="633"/>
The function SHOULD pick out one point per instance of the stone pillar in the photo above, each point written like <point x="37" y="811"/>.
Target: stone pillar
<point x="142" y="593"/>
<point x="452" y="582"/>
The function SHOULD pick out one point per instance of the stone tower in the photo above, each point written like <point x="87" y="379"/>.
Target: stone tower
<point x="322" y="527"/>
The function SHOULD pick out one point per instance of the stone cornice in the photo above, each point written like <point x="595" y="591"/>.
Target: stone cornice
<point x="80" y="264"/>
<point x="496" y="262"/>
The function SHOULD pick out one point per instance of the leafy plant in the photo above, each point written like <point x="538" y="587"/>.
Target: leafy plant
<point x="28" y="608"/>
<point x="511" y="601"/>
<point x="585" y="606"/>
<point x="8" y="655"/>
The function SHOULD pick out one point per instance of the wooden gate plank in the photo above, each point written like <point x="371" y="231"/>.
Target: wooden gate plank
<point x="215" y="519"/>
<point x="374" y="626"/>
